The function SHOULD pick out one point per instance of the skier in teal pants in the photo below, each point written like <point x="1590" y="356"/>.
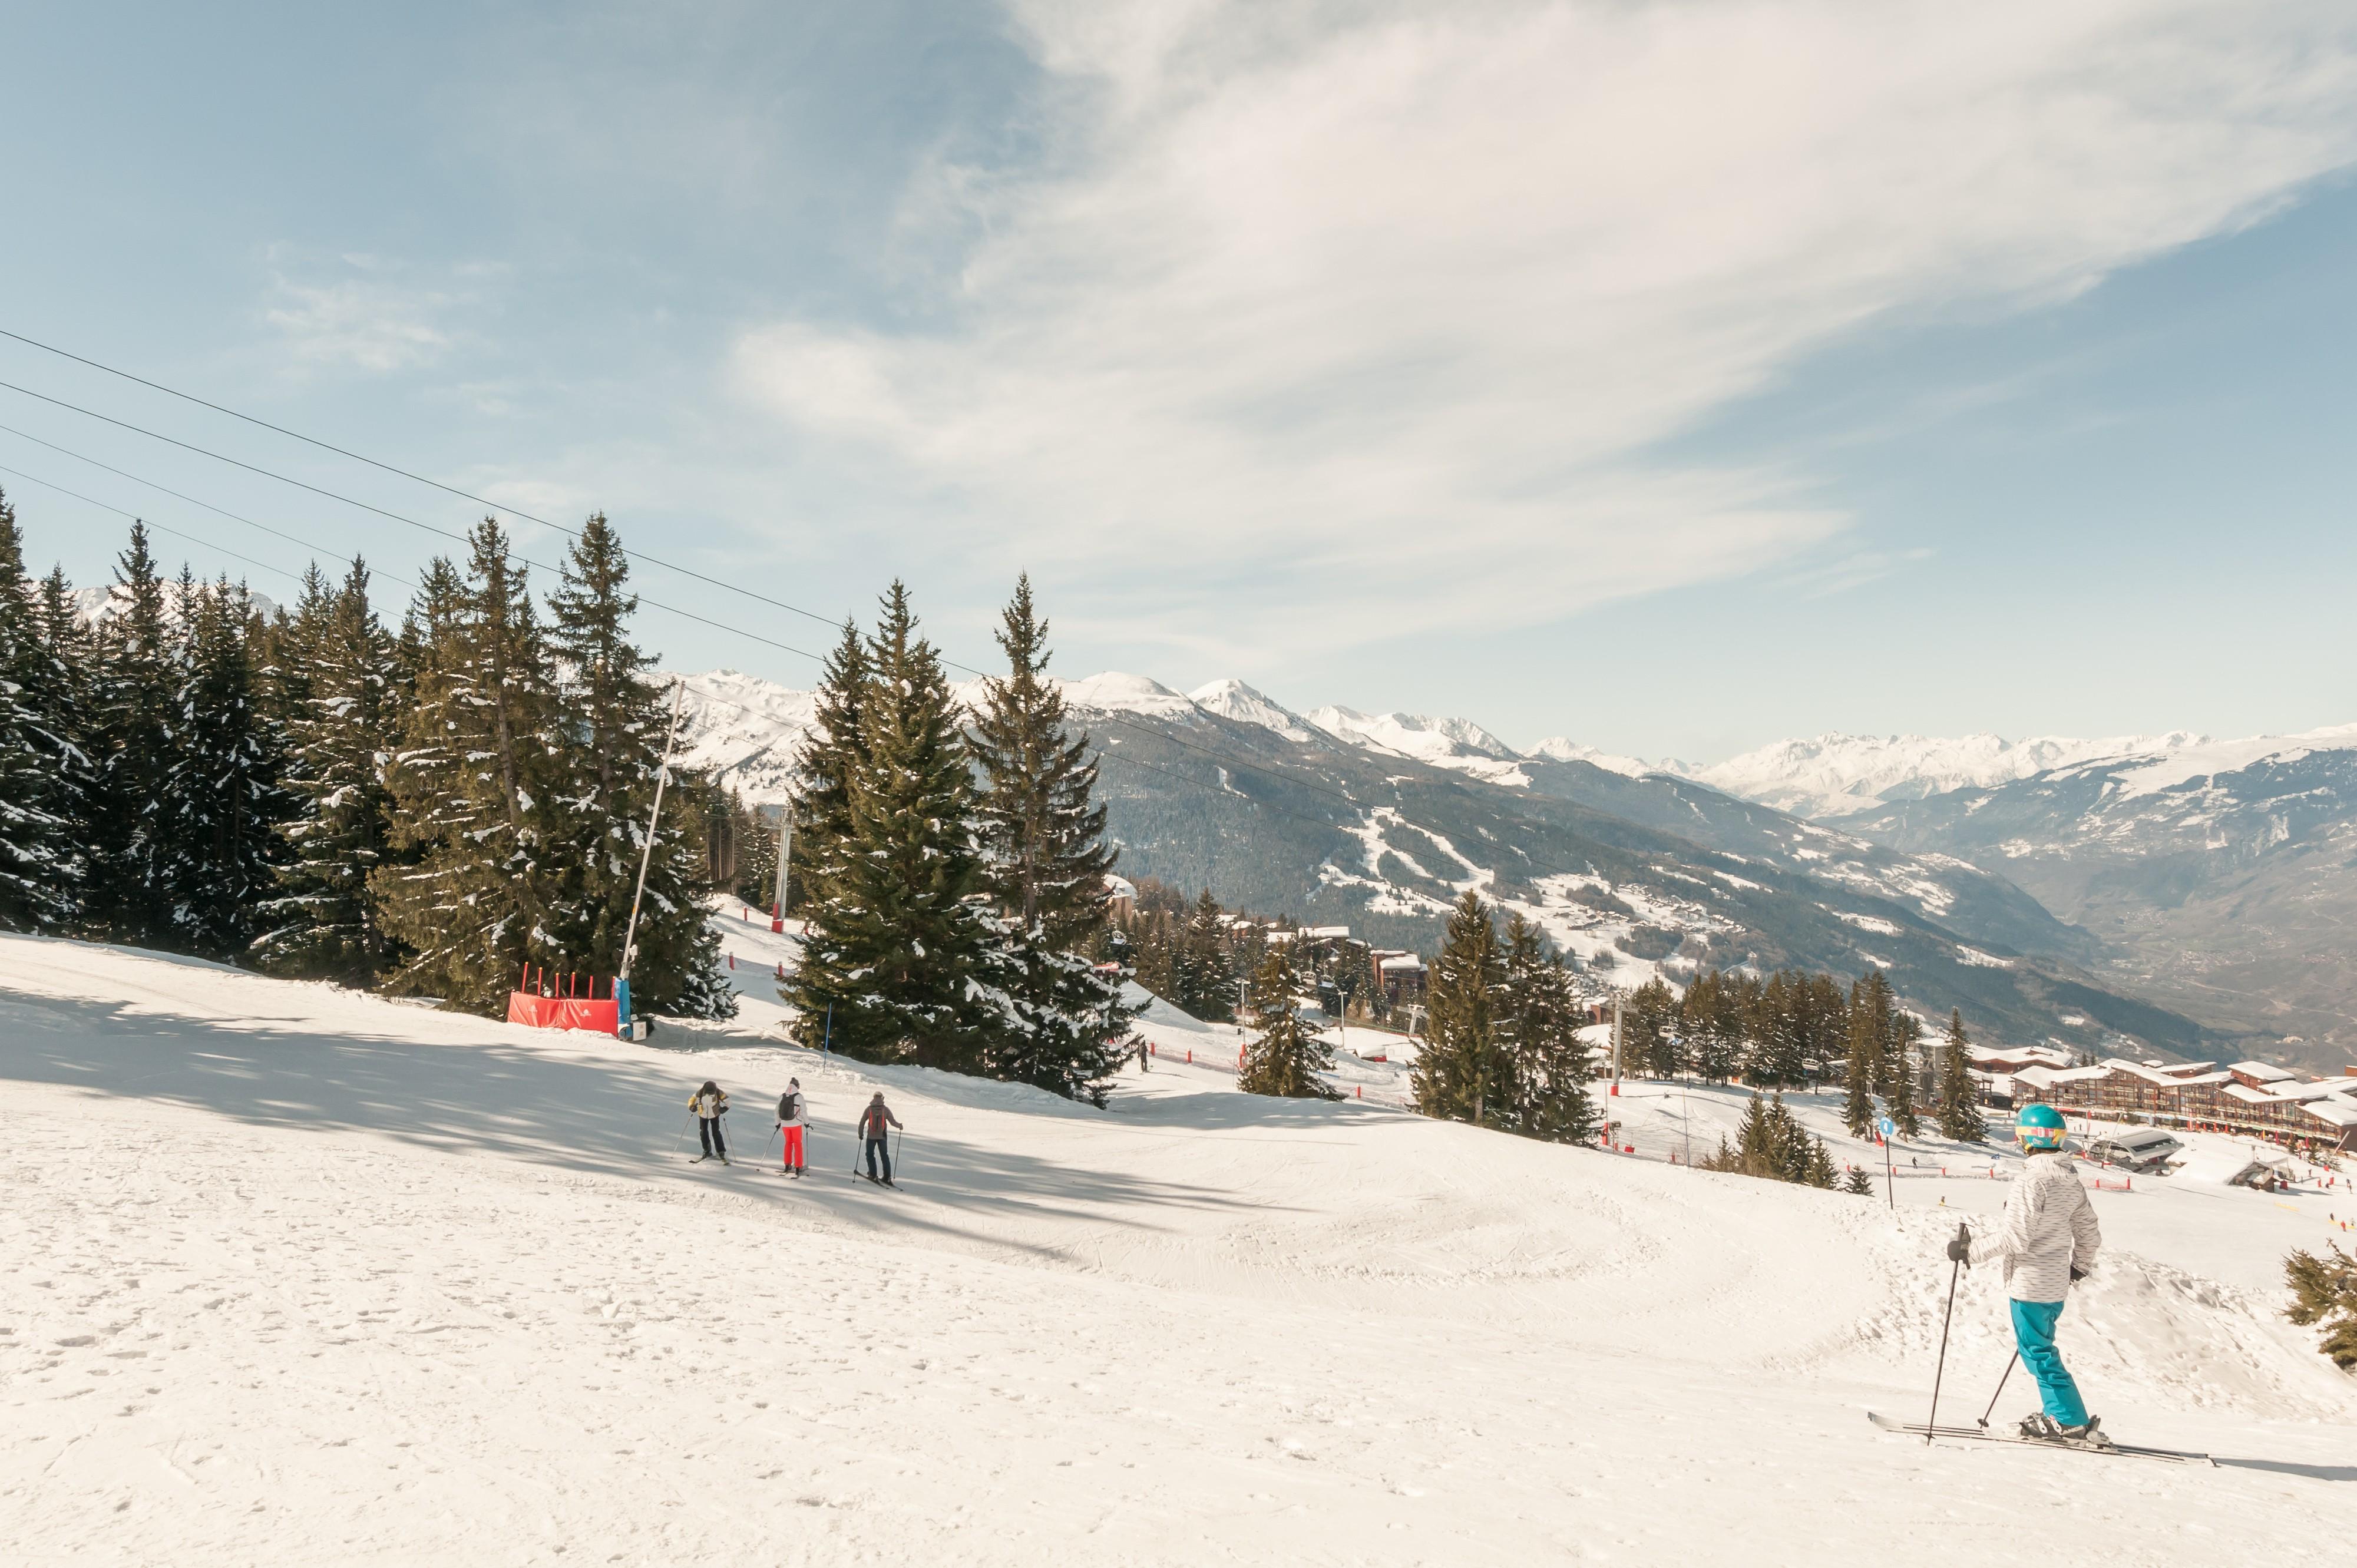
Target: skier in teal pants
<point x="2047" y="1242"/>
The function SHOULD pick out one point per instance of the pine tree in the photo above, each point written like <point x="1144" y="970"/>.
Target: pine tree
<point x="40" y="862"/>
<point x="902" y="936"/>
<point x="1869" y="1030"/>
<point x="475" y="786"/>
<point x="1899" y="1052"/>
<point x="617" y="722"/>
<point x="1047" y="860"/>
<point x="2324" y="1290"/>
<point x="1648" y="1038"/>
<point x="135" y="737"/>
<point x="832" y="751"/>
<point x="1959" y="1108"/>
<point x="756" y="881"/>
<point x="1204" y="974"/>
<point x="222" y="801"/>
<point x="1285" y="1056"/>
<point x="1548" y="1062"/>
<point x="1857" y="1183"/>
<point x="325" y="923"/>
<point x="1465" y="1071"/>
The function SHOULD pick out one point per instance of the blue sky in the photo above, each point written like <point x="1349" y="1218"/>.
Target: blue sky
<point x="1671" y="376"/>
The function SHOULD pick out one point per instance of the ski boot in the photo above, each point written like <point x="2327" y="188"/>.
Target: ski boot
<point x="2040" y="1428"/>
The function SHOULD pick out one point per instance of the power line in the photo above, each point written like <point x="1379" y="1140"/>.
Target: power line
<point x="708" y="697"/>
<point x="92" y="500"/>
<point x="407" y="474"/>
<point x="1112" y="716"/>
<point x="348" y="500"/>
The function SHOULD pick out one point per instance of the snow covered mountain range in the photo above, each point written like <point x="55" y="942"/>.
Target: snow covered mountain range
<point x="1381" y="821"/>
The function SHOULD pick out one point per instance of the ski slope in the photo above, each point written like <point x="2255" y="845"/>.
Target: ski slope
<point x="293" y="1275"/>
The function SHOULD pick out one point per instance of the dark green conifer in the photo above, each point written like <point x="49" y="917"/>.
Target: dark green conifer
<point x="475" y="787"/>
<point x="223" y="801"/>
<point x="616" y="723"/>
<point x="902" y="933"/>
<point x="135" y="736"/>
<point x="1958" y="1107"/>
<point x="1548" y="1061"/>
<point x="325" y="923"/>
<point x="40" y="860"/>
<point x="1285" y="1056"/>
<point x="1044" y="832"/>
<point x="1464" y="1071"/>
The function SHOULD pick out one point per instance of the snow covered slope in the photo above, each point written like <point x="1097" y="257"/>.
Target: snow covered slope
<point x="1837" y="774"/>
<point x="293" y="1275"/>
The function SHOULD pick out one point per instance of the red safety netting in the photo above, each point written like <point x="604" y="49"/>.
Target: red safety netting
<point x="562" y="1012"/>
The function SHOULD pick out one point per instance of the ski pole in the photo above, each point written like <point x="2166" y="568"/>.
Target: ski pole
<point x="899" y="1136"/>
<point x="1956" y="1267"/>
<point x="2000" y="1387"/>
<point x="683" y="1126"/>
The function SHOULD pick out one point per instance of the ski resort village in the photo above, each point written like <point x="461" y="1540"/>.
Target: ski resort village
<point x="1560" y="781"/>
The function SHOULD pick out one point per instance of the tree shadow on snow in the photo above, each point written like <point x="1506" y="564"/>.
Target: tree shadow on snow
<point x="533" y="1101"/>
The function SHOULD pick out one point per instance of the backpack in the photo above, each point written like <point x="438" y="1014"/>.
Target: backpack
<point x="790" y="1107"/>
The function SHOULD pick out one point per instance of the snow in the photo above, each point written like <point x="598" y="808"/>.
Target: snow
<point x="293" y="1274"/>
<point x="2207" y="757"/>
<point x="1838" y="775"/>
<point x="1458" y="744"/>
<point x="1235" y="700"/>
<point x="1562" y="748"/>
<point x="1111" y="690"/>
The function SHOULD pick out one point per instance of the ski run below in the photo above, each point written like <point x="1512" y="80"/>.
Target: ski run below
<point x="294" y="1275"/>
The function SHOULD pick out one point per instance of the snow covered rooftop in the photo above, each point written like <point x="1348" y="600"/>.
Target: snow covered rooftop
<point x="2263" y="1071"/>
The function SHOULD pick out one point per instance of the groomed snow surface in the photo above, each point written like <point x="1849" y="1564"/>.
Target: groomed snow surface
<point x="292" y="1275"/>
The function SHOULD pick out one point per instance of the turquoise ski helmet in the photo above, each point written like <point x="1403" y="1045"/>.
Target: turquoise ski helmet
<point x="2039" y="1127"/>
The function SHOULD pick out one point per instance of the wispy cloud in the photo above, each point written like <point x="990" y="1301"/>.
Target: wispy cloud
<point x="1347" y="320"/>
<point x="365" y="312"/>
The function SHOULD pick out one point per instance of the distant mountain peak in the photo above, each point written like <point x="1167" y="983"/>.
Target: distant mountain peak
<point x="1562" y="748"/>
<point x="1836" y="775"/>
<point x="1232" y="699"/>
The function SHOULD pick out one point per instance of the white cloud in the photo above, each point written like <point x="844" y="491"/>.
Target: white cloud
<point x="373" y="316"/>
<point x="1381" y="308"/>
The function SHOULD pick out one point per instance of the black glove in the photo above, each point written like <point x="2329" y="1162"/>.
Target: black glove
<point x="2077" y="1273"/>
<point x="1960" y="1246"/>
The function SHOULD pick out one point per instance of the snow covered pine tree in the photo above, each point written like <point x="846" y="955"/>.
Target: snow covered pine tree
<point x="1465" y="1071"/>
<point x="40" y="862"/>
<point x="903" y="935"/>
<point x="1048" y="860"/>
<point x="134" y="734"/>
<point x="1283" y="1058"/>
<point x="616" y="721"/>
<point x="334" y="664"/>
<point x="222" y="801"/>
<point x="475" y="787"/>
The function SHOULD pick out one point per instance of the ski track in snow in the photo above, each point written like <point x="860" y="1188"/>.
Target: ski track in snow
<point x="293" y="1275"/>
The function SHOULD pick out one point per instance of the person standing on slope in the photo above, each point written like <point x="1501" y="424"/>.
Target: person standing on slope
<point x="2047" y="1242"/>
<point x="709" y="1105"/>
<point x="873" y="1124"/>
<point x="793" y="1116"/>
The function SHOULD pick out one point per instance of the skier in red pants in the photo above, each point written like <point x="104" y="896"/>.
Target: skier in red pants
<point x="793" y="1116"/>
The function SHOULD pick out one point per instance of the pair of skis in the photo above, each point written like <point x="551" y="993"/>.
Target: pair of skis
<point x="1980" y="1434"/>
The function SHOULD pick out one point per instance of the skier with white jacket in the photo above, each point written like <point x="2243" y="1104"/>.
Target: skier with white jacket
<point x="2047" y="1242"/>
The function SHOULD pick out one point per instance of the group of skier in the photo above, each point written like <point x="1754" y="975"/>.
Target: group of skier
<point x="876" y="1123"/>
<point x="2046" y="1242"/>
